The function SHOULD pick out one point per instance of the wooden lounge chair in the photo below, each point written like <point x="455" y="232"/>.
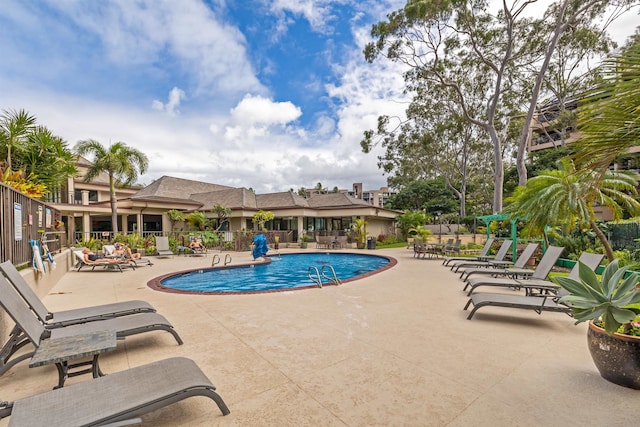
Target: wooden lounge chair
<point x="162" y="246"/>
<point x="29" y="329"/>
<point x="70" y="317"/>
<point x="513" y="272"/>
<point x="111" y="266"/>
<point x="481" y="256"/>
<point x="540" y="273"/>
<point x="471" y="263"/>
<point x="118" y="397"/>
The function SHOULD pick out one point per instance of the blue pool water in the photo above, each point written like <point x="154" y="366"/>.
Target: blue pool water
<point x="283" y="272"/>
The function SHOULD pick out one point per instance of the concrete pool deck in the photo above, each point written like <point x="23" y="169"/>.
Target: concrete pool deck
<point x="393" y="349"/>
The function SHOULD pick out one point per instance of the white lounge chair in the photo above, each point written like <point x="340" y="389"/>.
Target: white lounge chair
<point x="162" y="246"/>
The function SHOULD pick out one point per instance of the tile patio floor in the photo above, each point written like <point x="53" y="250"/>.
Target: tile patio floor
<point x="394" y="349"/>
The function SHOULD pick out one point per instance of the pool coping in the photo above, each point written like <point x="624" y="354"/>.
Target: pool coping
<point x="156" y="284"/>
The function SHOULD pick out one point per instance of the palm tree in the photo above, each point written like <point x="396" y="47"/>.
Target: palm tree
<point x="15" y="127"/>
<point x="567" y="196"/>
<point x="47" y="158"/>
<point x="610" y="118"/>
<point x="121" y="162"/>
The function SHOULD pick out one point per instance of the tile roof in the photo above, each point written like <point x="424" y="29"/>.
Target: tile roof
<point x="232" y="198"/>
<point x="209" y="195"/>
<point x="285" y="199"/>
<point x="335" y="200"/>
<point x="176" y="188"/>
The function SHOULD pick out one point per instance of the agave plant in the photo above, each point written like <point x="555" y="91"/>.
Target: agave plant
<point x="603" y="300"/>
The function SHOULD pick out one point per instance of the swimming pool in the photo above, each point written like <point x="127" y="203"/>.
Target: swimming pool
<point x="279" y="273"/>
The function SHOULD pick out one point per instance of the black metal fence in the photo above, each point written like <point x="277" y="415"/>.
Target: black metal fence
<point x="623" y="236"/>
<point x="22" y="219"/>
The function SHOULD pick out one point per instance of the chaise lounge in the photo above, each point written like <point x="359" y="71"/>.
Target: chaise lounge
<point x="541" y="272"/>
<point x="517" y="269"/>
<point x="482" y="256"/>
<point x="120" y="397"/>
<point x="70" y="317"/>
<point x="473" y="263"/>
<point x="112" y="266"/>
<point x="162" y="246"/>
<point x="546" y="300"/>
<point x="29" y="329"/>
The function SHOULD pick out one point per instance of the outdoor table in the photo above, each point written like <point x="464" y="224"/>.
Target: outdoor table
<point x="61" y="350"/>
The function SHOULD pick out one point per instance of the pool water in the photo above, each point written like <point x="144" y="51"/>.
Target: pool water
<point x="283" y="272"/>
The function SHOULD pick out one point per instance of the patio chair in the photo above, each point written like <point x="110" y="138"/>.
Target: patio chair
<point x="419" y="248"/>
<point x="29" y="329"/>
<point x="517" y="268"/>
<point x="482" y="255"/>
<point x="162" y="246"/>
<point x="120" y="397"/>
<point x="69" y="317"/>
<point x="111" y="266"/>
<point x="500" y="256"/>
<point x="543" y="301"/>
<point x="324" y="242"/>
<point x="455" y="249"/>
<point x="540" y="273"/>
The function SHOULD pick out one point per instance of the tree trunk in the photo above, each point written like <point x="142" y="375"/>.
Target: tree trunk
<point x="607" y="246"/>
<point x="498" y="173"/>
<point x="524" y="135"/>
<point x="114" y="206"/>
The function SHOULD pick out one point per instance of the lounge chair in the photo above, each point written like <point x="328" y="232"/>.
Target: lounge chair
<point x="540" y="273"/>
<point x="162" y="246"/>
<point x="481" y="256"/>
<point x="29" y="329"/>
<point x="517" y="268"/>
<point x="118" y="397"/>
<point x="546" y="301"/>
<point x="472" y="263"/>
<point x="110" y="251"/>
<point x="111" y="266"/>
<point x="70" y="317"/>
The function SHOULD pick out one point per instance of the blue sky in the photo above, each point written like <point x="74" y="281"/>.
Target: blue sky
<point x="268" y="94"/>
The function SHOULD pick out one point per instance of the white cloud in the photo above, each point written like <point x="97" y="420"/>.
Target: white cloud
<point x="316" y="12"/>
<point x="171" y="107"/>
<point x="257" y="110"/>
<point x="213" y="53"/>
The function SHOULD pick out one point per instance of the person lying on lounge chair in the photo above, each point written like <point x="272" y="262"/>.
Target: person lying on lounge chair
<point x="92" y="257"/>
<point x="196" y="245"/>
<point x="123" y="251"/>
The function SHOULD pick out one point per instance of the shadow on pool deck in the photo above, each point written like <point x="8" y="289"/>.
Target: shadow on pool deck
<point x="391" y="349"/>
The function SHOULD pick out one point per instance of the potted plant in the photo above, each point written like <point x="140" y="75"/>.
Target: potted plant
<point x="360" y="230"/>
<point x="610" y="304"/>
<point x="304" y="241"/>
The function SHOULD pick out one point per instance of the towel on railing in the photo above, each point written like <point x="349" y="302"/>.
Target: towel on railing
<point x="37" y="263"/>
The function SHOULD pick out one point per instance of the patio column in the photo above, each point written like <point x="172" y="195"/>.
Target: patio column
<point x="86" y="225"/>
<point x="71" y="229"/>
<point x="122" y="219"/>
<point x="139" y="223"/>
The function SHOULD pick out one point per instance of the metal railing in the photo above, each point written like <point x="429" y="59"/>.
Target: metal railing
<point x="23" y="218"/>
